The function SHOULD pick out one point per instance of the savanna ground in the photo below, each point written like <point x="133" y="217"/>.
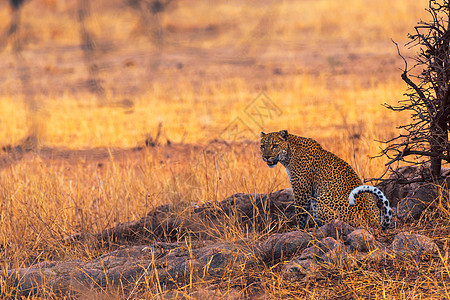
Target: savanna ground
<point x="199" y="79"/>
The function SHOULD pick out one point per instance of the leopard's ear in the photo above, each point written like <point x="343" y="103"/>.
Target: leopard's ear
<point x="261" y="134"/>
<point x="284" y="134"/>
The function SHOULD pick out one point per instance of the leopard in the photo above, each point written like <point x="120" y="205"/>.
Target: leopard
<point x="325" y="186"/>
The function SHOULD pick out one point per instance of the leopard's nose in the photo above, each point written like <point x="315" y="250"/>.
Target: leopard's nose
<point x="266" y="157"/>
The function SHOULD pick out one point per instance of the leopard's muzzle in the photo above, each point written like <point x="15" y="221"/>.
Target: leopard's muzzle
<point x="270" y="161"/>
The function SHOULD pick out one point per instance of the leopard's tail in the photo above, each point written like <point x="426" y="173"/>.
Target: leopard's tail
<point x="387" y="211"/>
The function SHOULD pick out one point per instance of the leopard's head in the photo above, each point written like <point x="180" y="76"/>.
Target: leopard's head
<point x="275" y="148"/>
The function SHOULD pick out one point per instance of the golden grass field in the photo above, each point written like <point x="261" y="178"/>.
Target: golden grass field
<point x="327" y="66"/>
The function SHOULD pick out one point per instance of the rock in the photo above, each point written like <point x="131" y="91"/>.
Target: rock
<point x="59" y="275"/>
<point x="376" y="255"/>
<point x="408" y="189"/>
<point x="319" y="248"/>
<point x="416" y="244"/>
<point x="176" y="264"/>
<point x="361" y="240"/>
<point x="321" y="255"/>
<point x="167" y="223"/>
<point x="409" y="209"/>
<point x="168" y="264"/>
<point x="330" y="253"/>
<point x="412" y="206"/>
<point x="208" y="292"/>
<point x="324" y="253"/>
<point x="412" y="189"/>
<point x="211" y="261"/>
<point x="297" y="269"/>
<point x="335" y="229"/>
<point x="394" y="191"/>
<point x="280" y="246"/>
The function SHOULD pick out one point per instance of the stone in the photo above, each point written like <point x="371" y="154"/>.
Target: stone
<point x="177" y="265"/>
<point x="412" y="206"/>
<point x="361" y="240"/>
<point x="394" y="191"/>
<point x="280" y="246"/>
<point x="319" y="248"/>
<point x="335" y="229"/>
<point x="298" y="269"/>
<point x="411" y="243"/>
<point x="167" y="223"/>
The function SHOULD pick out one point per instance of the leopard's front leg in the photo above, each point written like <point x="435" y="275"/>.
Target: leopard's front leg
<point x="302" y="197"/>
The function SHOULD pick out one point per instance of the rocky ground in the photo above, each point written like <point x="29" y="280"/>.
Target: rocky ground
<point x="176" y="245"/>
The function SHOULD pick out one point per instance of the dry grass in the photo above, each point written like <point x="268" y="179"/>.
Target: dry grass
<point x="201" y="116"/>
<point x="327" y="66"/>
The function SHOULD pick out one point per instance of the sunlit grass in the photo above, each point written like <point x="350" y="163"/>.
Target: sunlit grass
<point x="306" y="105"/>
